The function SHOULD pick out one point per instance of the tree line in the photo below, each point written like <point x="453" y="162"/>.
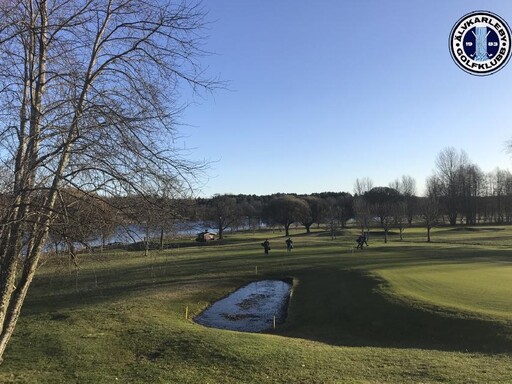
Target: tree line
<point x="457" y="192"/>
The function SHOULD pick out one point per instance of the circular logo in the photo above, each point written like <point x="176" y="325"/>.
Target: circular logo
<point x="480" y="43"/>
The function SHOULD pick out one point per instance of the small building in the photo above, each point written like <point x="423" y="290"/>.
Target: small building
<point x="205" y="236"/>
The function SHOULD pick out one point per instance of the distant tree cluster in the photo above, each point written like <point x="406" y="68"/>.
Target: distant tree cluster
<point x="458" y="192"/>
<point x="274" y="211"/>
<point x="465" y="194"/>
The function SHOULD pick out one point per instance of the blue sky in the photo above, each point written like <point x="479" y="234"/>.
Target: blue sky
<point x="322" y="93"/>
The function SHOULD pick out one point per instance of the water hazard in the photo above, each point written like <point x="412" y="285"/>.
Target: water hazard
<point x="251" y="308"/>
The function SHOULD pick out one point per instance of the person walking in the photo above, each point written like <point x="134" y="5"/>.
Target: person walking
<point x="289" y="245"/>
<point x="266" y="246"/>
<point x="362" y="240"/>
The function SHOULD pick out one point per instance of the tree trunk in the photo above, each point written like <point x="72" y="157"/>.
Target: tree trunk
<point x="15" y="301"/>
<point x="220" y="227"/>
<point x="52" y="123"/>
<point x="428" y="234"/>
<point x="12" y="297"/>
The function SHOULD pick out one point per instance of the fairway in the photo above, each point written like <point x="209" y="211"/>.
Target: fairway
<point x="400" y="312"/>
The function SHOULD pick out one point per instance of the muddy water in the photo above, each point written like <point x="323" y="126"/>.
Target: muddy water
<point x="251" y="308"/>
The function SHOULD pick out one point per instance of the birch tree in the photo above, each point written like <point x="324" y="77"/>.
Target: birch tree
<point x="88" y="100"/>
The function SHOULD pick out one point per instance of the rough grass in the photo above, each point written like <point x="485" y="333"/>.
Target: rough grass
<point x="397" y="313"/>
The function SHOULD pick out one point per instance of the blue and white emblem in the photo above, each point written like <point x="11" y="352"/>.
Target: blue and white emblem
<point x="480" y="43"/>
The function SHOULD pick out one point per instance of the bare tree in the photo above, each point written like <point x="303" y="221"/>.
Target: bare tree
<point x="88" y="92"/>
<point x="317" y="208"/>
<point x="400" y="217"/>
<point x="286" y="210"/>
<point x="251" y="209"/>
<point x="472" y="186"/>
<point x="407" y="188"/>
<point x="81" y="218"/>
<point x="362" y="185"/>
<point x="499" y="189"/>
<point x="383" y="203"/>
<point x="332" y="217"/>
<point x="429" y="206"/>
<point x="362" y="213"/>
<point x="222" y="212"/>
<point x="449" y="164"/>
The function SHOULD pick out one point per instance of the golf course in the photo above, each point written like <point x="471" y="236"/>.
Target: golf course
<point x="406" y="311"/>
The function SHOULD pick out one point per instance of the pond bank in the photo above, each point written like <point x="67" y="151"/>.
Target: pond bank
<point x="251" y="308"/>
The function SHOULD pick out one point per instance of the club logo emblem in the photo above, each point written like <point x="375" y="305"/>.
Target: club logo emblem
<point x="480" y="43"/>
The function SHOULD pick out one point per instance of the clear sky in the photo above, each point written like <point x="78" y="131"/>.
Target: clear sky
<point x="324" y="92"/>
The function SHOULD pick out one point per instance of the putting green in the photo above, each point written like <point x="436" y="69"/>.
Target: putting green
<point x="480" y="288"/>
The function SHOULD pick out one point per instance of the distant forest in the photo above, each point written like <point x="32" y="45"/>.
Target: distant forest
<point x="457" y="193"/>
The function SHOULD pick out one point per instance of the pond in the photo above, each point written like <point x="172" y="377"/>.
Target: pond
<point x="251" y="308"/>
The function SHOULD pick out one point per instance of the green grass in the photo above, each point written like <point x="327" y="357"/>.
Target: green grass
<point x="484" y="288"/>
<point x="393" y="313"/>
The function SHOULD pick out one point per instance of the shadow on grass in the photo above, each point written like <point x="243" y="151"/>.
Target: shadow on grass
<point x="347" y="308"/>
<point x="335" y="302"/>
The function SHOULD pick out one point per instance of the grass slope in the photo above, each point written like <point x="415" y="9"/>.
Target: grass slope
<point x="398" y="313"/>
